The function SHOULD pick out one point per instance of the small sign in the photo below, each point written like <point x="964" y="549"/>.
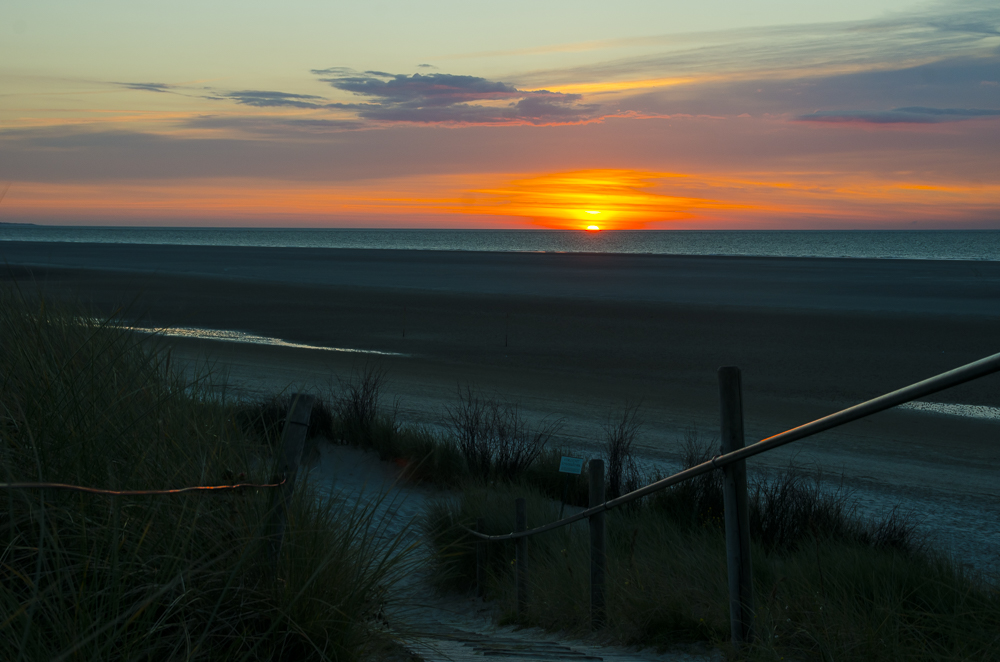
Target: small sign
<point x="570" y="465"/>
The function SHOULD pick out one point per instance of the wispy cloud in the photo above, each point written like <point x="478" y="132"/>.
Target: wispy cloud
<point x="270" y="99"/>
<point x="940" y="56"/>
<point x="256" y="98"/>
<point x="272" y="125"/>
<point x="910" y="115"/>
<point x="946" y="30"/>
<point x="448" y="98"/>
<point x="148" y="87"/>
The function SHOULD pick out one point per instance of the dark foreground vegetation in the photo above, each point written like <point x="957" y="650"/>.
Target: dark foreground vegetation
<point x="188" y="576"/>
<point x="839" y="590"/>
<point x="830" y="584"/>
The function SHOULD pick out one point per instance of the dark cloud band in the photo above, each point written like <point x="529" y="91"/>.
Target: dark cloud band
<point x="909" y="115"/>
<point x="448" y="98"/>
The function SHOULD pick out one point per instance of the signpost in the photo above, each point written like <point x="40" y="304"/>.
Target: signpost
<point x="568" y="465"/>
<point x="571" y="465"/>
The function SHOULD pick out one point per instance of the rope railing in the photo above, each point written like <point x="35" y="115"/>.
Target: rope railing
<point x="292" y="444"/>
<point x="732" y="462"/>
<point x="104" y="492"/>
<point x="960" y="375"/>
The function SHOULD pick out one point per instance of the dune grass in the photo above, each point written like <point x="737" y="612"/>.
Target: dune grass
<point x="829" y="583"/>
<point x="831" y="586"/>
<point x="160" y="577"/>
<point x="486" y="438"/>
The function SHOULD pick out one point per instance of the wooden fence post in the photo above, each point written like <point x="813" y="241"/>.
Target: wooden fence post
<point x="521" y="558"/>
<point x="481" y="559"/>
<point x="737" y="509"/>
<point x="292" y="442"/>
<point x="598" y="613"/>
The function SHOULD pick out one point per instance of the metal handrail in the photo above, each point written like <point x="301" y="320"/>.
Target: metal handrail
<point x="945" y="380"/>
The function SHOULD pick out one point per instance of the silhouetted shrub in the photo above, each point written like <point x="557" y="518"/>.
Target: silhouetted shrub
<point x="697" y="501"/>
<point x="622" y="472"/>
<point x="494" y="437"/>
<point x="786" y="509"/>
<point x="360" y="406"/>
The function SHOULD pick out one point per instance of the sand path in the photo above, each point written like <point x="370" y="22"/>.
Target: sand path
<point x="440" y="628"/>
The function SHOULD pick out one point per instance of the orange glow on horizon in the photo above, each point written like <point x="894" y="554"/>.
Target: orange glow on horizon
<point x="625" y="199"/>
<point x="621" y="199"/>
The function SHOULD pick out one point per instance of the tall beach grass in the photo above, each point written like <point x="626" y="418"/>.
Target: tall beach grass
<point x="829" y="584"/>
<point x="91" y="577"/>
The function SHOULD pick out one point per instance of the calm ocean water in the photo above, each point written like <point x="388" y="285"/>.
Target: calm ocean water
<point x="881" y="244"/>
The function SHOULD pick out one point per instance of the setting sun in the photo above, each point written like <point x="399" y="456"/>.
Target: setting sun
<point x="624" y="199"/>
<point x="592" y="228"/>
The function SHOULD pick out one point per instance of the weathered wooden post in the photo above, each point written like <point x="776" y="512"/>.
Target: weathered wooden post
<point x="292" y="442"/>
<point x="481" y="559"/>
<point x="521" y="558"/>
<point x="597" y="556"/>
<point x="737" y="509"/>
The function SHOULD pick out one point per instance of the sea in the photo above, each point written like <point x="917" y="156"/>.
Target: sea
<point x="873" y="244"/>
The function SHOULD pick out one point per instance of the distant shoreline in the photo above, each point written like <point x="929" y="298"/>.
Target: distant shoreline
<point x="934" y="245"/>
<point x="924" y="287"/>
<point x="238" y="228"/>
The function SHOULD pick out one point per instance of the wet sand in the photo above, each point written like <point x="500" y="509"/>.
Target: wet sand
<point x="575" y="336"/>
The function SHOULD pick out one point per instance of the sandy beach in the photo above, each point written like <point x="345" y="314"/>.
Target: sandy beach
<point x="575" y="336"/>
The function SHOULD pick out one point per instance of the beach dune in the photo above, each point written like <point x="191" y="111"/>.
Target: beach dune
<point x="577" y="335"/>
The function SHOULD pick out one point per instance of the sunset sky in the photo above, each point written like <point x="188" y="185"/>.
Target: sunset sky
<point x="523" y="114"/>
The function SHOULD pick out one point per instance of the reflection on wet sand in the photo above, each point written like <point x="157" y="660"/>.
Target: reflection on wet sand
<point x="227" y="335"/>
<point x="968" y="411"/>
